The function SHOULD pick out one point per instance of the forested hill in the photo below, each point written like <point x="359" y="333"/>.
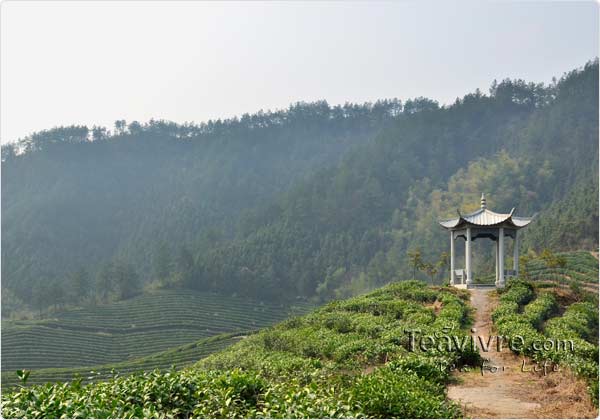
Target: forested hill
<point x="350" y="226"/>
<point x="309" y="201"/>
<point x="76" y="198"/>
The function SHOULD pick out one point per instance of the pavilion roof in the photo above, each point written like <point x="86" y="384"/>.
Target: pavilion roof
<point x="486" y="217"/>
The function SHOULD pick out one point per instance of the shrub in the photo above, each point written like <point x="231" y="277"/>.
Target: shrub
<point x="540" y="309"/>
<point x="308" y="366"/>
<point x="517" y="291"/>
<point x="578" y="323"/>
<point x="387" y="394"/>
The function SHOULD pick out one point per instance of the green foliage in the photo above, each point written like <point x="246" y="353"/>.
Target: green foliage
<point x="552" y="260"/>
<point x="179" y="357"/>
<point x="415" y="260"/>
<point x="351" y="213"/>
<point x="579" y="323"/>
<point x="517" y="291"/>
<point x="105" y="334"/>
<point x="580" y="320"/>
<point x="311" y="201"/>
<point x="540" y="309"/>
<point x="573" y="335"/>
<point x="504" y="310"/>
<point x="235" y="394"/>
<point x="310" y="366"/>
<point x="126" y="280"/>
<point x="578" y="267"/>
<point x="161" y="183"/>
<point x="391" y="393"/>
<point x="80" y="286"/>
<point x="576" y="215"/>
<point x="23" y="375"/>
<point x="162" y="262"/>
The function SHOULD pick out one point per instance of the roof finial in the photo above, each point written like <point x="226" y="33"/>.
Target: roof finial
<point x="483" y="202"/>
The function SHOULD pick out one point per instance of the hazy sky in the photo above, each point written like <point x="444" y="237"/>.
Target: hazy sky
<point x="96" y="62"/>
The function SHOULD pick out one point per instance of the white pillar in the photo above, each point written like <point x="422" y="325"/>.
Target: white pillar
<point x="501" y="258"/>
<point x="468" y="257"/>
<point x="496" y="249"/>
<point x="452" y="280"/>
<point x="516" y="254"/>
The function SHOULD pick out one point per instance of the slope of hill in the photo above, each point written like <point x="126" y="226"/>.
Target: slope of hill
<point x="350" y="226"/>
<point x="546" y="315"/>
<point x="69" y="202"/>
<point x="348" y="359"/>
<point x="577" y="268"/>
<point x="580" y="268"/>
<point x="313" y="201"/>
<point x="535" y="373"/>
<point x="132" y="328"/>
<point x="177" y="357"/>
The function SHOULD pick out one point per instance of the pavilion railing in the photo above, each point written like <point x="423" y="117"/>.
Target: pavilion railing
<point x="460" y="276"/>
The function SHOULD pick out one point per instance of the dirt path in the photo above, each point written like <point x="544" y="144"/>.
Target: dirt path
<point x="509" y="392"/>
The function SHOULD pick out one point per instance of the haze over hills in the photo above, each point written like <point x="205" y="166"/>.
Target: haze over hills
<point x="313" y="201"/>
<point x="70" y="203"/>
<point x="160" y="245"/>
<point x="249" y="210"/>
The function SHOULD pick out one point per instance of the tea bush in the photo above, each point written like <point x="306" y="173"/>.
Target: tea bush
<point x="540" y="309"/>
<point x="517" y="291"/>
<point x="566" y="336"/>
<point x="348" y="359"/>
<point x="156" y="322"/>
<point x="580" y="319"/>
<point x="580" y="266"/>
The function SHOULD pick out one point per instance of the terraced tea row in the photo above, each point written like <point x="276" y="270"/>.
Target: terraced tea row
<point x="178" y="357"/>
<point x="579" y="266"/>
<point x="545" y="334"/>
<point x="159" y="309"/>
<point x="350" y="358"/>
<point x="132" y="329"/>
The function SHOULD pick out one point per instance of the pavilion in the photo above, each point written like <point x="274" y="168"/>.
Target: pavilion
<point x="484" y="223"/>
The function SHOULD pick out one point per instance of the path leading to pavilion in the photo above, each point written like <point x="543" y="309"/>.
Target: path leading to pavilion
<point x="510" y="392"/>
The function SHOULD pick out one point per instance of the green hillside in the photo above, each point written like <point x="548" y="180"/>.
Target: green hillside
<point x="177" y="357"/>
<point x="347" y="359"/>
<point x="156" y="186"/>
<point x="351" y="226"/>
<point x="579" y="267"/>
<point x="537" y="314"/>
<point x="132" y="328"/>
<point x="564" y="268"/>
<point x="575" y="267"/>
<point x="312" y="201"/>
<point x="239" y="223"/>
